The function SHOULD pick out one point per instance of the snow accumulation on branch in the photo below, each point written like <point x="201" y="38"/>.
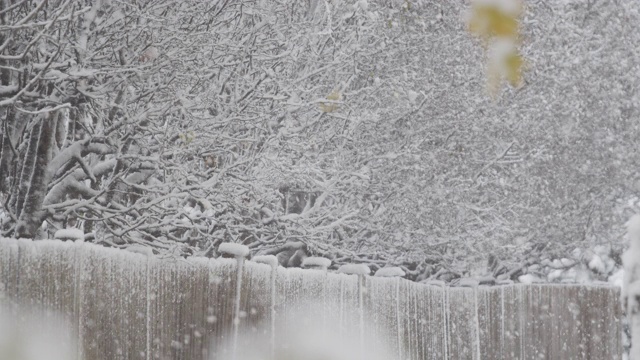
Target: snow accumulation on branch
<point x="237" y="250"/>
<point x="74" y="183"/>
<point x="354" y="269"/>
<point x="316" y="262"/>
<point x="392" y="271"/>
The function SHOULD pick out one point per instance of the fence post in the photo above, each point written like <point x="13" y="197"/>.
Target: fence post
<point x="361" y="271"/>
<point x="240" y="252"/>
<point x="272" y="261"/>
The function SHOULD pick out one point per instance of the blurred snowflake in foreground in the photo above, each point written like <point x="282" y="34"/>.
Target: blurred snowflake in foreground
<point x="28" y="334"/>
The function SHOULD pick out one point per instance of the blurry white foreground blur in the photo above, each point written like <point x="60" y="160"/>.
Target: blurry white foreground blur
<point x="305" y="336"/>
<point x="28" y="334"/>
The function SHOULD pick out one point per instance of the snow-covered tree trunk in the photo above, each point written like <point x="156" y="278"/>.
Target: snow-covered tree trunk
<point x="631" y="286"/>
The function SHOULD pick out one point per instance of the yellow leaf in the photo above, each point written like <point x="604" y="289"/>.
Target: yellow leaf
<point x="335" y="95"/>
<point x="328" y="107"/>
<point x="494" y="24"/>
<point x="331" y="107"/>
<point x="514" y="63"/>
<point x="489" y="20"/>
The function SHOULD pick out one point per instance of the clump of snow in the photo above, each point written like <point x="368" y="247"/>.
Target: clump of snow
<point x="579" y="274"/>
<point x="270" y="260"/>
<point x="567" y="262"/>
<point x="237" y="250"/>
<point x="140" y="249"/>
<point x="556" y="264"/>
<point x="432" y="282"/>
<point x="316" y="262"/>
<point x="596" y="264"/>
<point x="617" y="278"/>
<point x="69" y="234"/>
<point x="545" y="262"/>
<point x="529" y="279"/>
<point x="354" y="269"/>
<point x="467" y="282"/>
<point x="555" y="275"/>
<point x="392" y="271"/>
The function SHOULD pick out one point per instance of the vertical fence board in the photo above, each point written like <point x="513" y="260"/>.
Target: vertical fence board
<point x="381" y="309"/>
<point x="342" y="307"/>
<point x="597" y="310"/>
<point x="462" y="324"/>
<point x="195" y="335"/>
<point x="9" y="270"/>
<point x="409" y="323"/>
<point x="561" y="327"/>
<point x="112" y="302"/>
<point x="43" y="284"/>
<point x="255" y="307"/>
<point x="537" y="334"/>
<point x="289" y="295"/>
<point x="512" y="324"/>
<point x="490" y="321"/>
<point x="220" y="306"/>
<point x="432" y="321"/>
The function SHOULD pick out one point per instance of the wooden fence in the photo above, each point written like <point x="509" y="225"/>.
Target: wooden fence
<point x="123" y="305"/>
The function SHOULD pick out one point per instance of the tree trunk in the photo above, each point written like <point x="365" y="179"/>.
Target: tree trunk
<point x="31" y="216"/>
<point x="27" y="166"/>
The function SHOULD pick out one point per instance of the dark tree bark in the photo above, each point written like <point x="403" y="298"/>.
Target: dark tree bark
<point x="6" y="153"/>
<point x="31" y="216"/>
<point x="21" y="188"/>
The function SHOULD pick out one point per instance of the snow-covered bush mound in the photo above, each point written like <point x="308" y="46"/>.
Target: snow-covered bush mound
<point x="392" y="271"/>
<point x="69" y="234"/>
<point x="236" y="250"/>
<point x="354" y="269"/>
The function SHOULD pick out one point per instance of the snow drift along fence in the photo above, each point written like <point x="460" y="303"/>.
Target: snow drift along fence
<point x="129" y="306"/>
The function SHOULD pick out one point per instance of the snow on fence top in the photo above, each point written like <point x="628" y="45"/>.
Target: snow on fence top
<point x="270" y="260"/>
<point x="316" y="262"/>
<point x="69" y="234"/>
<point x="392" y="271"/>
<point x="354" y="269"/>
<point x="237" y="250"/>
